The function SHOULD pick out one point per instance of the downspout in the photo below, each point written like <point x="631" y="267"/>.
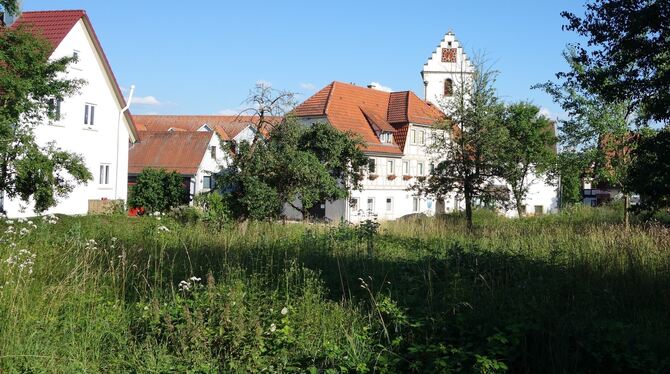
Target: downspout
<point x="118" y="134"/>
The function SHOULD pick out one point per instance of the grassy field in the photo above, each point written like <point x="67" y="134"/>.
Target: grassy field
<point x="565" y="293"/>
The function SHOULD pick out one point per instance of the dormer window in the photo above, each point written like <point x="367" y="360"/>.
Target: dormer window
<point x="385" y="137"/>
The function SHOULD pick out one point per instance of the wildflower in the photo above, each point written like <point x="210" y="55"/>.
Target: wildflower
<point x="163" y="229"/>
<point x="284" y="311"/>
<point x="195" y="279"/>
<point x="10" y="230"/>
<point x="114" y="239"/>
<point x="184" y="286"/>
<point x="24" y="231"/>
<point x="273" y="327"/>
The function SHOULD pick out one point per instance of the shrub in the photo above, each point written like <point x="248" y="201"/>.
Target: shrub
<point x="158" y="190"/>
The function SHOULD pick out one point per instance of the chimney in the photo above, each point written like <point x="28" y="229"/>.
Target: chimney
<point x="372" y="86"/>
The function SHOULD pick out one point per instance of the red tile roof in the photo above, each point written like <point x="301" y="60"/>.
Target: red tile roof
<point x="358" y="109"/>
<point x="54" y="25"/>
<point x="180" y="151"/>
<point x="228" y="127"/>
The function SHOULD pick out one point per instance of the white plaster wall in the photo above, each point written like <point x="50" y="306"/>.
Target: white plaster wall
<point x="435" y="72"/>
<point x="98" y="144"/>
<point x="210" y="165"/>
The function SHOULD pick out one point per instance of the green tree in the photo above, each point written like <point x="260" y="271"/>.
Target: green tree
<point x="158" y="190"/>
<point x="650" y="172"/>
<point x="569" y="168"/>
<point x="528" y="149"/>
<point x="10" y="6"/>
<point x="467" y="147"/>
<point x="601" y="132"/>
<point x="297" y="165"/>
<point x="626" y="57"/>
<point x="30" y="84"/>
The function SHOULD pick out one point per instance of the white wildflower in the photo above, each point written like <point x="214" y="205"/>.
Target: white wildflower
<point x="273" y="327"/>
<point x="163" y="229"/>
<point x="184" y="286"/>
<point x="284" y="311"/>
<point x="195" y="279"/>
<point x="24" y="231"/>
<point x="10" y="230"/>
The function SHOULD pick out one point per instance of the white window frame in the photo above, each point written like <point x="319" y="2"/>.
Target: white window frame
<point x="405" y="168"/>
<point x="419" y="169"/>
<point x="89" y="114"/>
<point x="212" y="151"/>
<point x="206" y="186"/>
<point x="367" y="204"/>
<point x="353" y="203"/>
<point x="416" y="204"/>
<point x="385" y="137"/>
<point x="390" y="167"/>
<point x="373" y="162"/>
<point x="103" y="180"/>
<point x="389" y="204"/>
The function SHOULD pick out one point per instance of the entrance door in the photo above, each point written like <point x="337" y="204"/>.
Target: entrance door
<point x="318" y="211"/>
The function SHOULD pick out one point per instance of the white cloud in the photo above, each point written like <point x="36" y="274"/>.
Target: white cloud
<point x="146" y="100"/>
<point x="380" y="87"/>
<point x="308" y="86"/>
<point x="265" y="83"/>
<point x="228" y="112"/>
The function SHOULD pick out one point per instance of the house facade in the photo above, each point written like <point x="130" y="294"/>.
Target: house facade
<point x="397" y="128"/>
<point x="91" y="123"/>
<point x="190" y="145"/>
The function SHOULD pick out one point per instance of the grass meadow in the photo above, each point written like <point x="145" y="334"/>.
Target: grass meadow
<point x="566" y="293"/>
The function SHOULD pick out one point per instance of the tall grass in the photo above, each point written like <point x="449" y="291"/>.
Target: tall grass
<point x="573" y="292"/>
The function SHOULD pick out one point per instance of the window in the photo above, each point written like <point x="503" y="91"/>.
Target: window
<point x="390" y="170"/>
<point x="389" y="204"/>
<point x="415" y="204"/>
<point x="523" y="208"/>
<point x="385" y="137"/>
<point x="353" y="203"/>
<point x="53" y="108"/>
<point x="432" y="167"/>
<point x="420" y="168"/>
<point x="75" y="55"/>
<point x="539" y="210"/>
<point x="371" y="204"/>
<point x="418" y="137"/>
<point x="212" y="151"/>
<point x="457" y="204"/>
<point x="372" y="165"/>
<point x="104" y="174"/>
<point x="89" y="114"/>
<point x="405" y="167"/>
<point x="448" y="87"/>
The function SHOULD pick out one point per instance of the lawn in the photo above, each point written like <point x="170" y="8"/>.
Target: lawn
<point x="573" y="292"/>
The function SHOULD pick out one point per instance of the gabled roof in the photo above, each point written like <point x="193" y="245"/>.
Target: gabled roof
<point x="54" y="25"/>
<point x="180" y="151"/>
<point x="359" y="109"/>
<point x="227" y="127"/>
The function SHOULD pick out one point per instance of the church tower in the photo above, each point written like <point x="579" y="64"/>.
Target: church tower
<point x="447" y="68"/>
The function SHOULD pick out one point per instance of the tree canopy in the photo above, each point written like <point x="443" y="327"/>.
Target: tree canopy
<point x="157" y="190"/>
<point x="527" y="150"/>
<point x="626" y="57"/>
<point x="31" y="86"/>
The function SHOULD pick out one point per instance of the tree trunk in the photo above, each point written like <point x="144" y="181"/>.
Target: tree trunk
<point x="468" y="207"/>
<point x="626" y="213"/>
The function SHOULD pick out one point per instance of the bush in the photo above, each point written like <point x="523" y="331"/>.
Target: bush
<point x="158" y="190"/>
<point x="215" y="208"/>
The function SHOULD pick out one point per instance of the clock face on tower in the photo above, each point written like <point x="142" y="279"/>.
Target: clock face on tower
<point x="448" y="54"/>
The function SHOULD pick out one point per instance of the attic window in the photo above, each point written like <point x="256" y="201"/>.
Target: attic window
<point x="385" y="137"/>
<point x="448" y="87"/>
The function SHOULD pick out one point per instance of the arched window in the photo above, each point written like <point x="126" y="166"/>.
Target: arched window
<point x="448" y="87"/>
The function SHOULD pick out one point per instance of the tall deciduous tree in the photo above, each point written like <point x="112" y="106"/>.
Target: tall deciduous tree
<point x="528" y="150"/>
<point x="157" y="190"/>
<point x="467" y="147"/>
<point x="626" y="57"/>
<point x="30" y="84"/>
<point x="602" y="132"/>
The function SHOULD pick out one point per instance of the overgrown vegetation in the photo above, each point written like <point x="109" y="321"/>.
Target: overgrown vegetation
<point x="571" y="292"/>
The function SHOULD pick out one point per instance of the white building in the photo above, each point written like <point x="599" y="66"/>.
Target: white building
<point x="91" y="122"/>
<point x="187" y="144"/>
<point x="448" y="69"/>
<point x="396" y="127"/>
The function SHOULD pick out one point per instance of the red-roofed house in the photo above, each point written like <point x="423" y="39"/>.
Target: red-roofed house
<point x="395" y="127"/>
<point x="91" y="121"/>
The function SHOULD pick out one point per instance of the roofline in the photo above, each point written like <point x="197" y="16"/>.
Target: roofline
<point x="110" y="74"/>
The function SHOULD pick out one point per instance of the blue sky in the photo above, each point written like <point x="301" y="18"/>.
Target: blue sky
<point x="204" y="58"/>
